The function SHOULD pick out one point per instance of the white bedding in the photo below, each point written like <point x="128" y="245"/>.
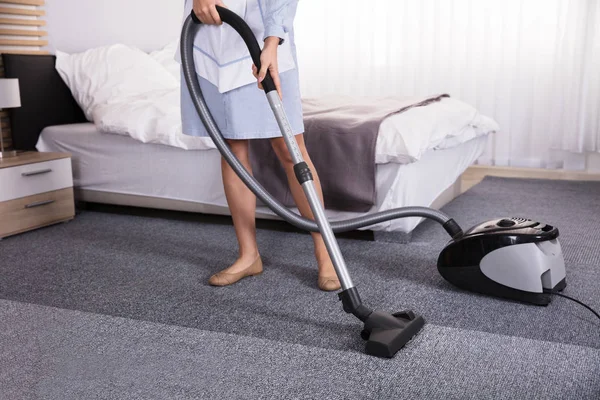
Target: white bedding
<point x="118" y="164"/>
<point x="128" y="92"/>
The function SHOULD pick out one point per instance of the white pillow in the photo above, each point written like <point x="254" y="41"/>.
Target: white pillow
<point x="166" y="58"/>
<point x="405" y="137"/>
<point x="109" y="74"/>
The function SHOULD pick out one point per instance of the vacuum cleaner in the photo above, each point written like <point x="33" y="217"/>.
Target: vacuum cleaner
<point x="512" y="258"/>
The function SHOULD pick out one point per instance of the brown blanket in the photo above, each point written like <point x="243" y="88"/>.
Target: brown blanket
<point x="340" y="135"/>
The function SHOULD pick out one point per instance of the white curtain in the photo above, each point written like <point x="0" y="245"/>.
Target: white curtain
<point x="532" y="65"/>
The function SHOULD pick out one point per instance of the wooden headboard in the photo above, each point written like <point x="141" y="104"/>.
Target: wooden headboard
<point x="21" y="23"/>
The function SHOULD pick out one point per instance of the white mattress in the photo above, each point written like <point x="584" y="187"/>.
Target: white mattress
<point x="119" y="164"/>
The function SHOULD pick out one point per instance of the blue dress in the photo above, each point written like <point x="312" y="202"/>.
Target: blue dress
<point x="244" y="112"/>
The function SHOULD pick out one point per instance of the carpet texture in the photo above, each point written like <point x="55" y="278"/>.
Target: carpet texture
<point x="117" y="306"/>
<point x="77" y="355"/>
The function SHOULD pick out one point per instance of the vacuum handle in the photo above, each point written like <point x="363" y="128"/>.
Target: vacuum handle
<point x="242" y="28"/>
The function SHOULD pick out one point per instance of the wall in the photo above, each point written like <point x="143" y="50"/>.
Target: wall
<point x="77" y="25"/>
<point x="593" y="163"/>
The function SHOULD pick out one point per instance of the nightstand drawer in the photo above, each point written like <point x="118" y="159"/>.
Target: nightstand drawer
<point x="35" y="211"/>
<point x="29" y="179"/>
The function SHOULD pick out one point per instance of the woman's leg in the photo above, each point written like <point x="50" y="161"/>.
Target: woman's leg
<point x="242" y="205"/>
<point x="327" y="276"/>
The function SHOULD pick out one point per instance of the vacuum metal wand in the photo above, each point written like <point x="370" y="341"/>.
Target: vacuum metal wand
<point x="303" y="174"/>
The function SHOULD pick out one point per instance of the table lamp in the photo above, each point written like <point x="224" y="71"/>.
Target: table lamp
<point x="10" y="97"/>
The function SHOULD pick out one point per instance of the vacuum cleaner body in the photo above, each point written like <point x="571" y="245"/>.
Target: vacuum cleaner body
<point x="512" y="258"/>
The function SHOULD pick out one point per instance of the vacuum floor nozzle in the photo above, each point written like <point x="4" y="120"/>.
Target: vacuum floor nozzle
<point x="387" y="333"/>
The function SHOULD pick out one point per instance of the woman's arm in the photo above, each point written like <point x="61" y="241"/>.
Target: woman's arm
<point x="268" y="62"/>
<point x="277" y="17"/>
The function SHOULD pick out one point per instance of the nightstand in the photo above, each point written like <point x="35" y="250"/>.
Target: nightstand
<point x="36" y="190"/>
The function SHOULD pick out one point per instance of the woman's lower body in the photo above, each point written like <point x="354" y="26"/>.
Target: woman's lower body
<point x="244" y="114"/>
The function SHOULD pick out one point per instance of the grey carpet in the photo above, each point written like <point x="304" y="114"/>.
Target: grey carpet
<point x="77" y="355"/>
<point x="153" y="270"/>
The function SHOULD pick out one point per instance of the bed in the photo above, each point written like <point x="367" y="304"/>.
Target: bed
<point x="120" y="165"/>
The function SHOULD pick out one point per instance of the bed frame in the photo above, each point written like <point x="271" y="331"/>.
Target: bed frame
<point x="47" y="101"/>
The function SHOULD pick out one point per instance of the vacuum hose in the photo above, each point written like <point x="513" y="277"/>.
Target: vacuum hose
<point x="188" y="34"/>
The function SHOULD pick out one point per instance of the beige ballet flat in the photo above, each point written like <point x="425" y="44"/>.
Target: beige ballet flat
<point x="225" y="278"/>
<point x="329" y="283"/>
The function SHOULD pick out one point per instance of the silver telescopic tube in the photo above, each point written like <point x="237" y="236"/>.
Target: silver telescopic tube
<point x="311" y="194"/>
